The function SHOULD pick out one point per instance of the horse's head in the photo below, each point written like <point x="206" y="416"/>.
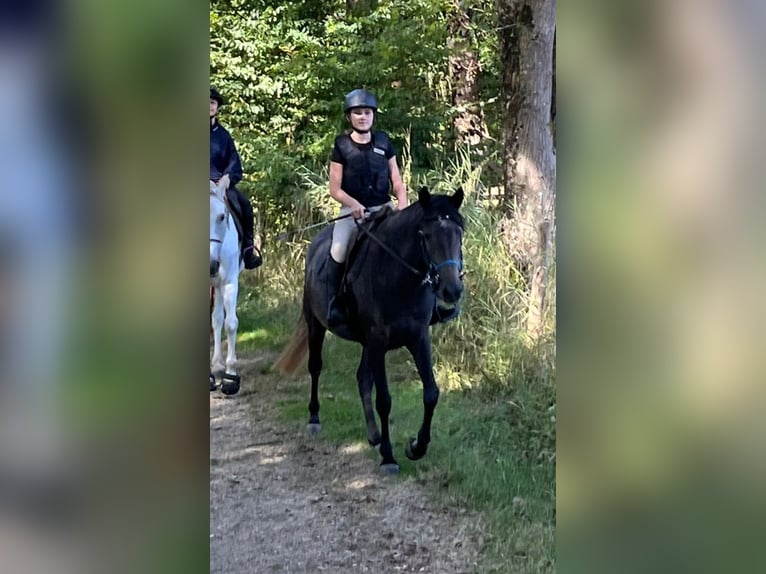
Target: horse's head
<point x="218" y="226"/>
<point x="441" y="237"/>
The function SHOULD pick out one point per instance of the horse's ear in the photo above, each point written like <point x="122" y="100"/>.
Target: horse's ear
<point x="457" y="199"/>
<point x="424" y="196"/>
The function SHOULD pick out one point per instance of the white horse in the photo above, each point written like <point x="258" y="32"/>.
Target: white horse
<point x="225" y="266"/>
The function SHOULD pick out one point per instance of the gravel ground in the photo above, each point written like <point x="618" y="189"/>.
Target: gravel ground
<point x="281" y="501"/>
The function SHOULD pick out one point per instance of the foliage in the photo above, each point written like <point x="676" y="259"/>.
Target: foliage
<point x="285" y="67"/>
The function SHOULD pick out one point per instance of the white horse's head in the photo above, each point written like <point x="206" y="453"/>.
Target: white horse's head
<point x="218" y="227"/>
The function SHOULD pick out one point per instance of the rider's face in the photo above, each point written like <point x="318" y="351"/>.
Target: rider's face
<point x="213" y="108"/>
<point x="361" y="118"/>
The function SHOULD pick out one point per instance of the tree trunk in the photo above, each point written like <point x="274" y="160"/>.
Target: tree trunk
<point x="527" y="29"/>
<point x="464" y="76"/>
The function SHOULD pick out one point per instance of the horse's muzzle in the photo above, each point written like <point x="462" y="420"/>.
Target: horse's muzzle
<point x="214" y="266"/>
<point x="451" y="292"/>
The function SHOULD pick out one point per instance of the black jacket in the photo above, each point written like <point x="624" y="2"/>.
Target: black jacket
<point x="224" y="158"/>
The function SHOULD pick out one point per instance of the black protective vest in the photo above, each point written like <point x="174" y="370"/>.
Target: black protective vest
<point x="366" y="173"/>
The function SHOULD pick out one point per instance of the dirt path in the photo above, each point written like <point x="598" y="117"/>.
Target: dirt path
<point x="281" y="501"/>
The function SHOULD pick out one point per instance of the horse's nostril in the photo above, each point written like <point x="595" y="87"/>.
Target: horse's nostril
<point x="214" y="265"/>
<point x="452" y="293"/>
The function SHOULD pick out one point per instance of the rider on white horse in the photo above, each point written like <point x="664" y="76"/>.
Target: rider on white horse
<point x="224" y="280"/>
<point x="226" y="172"/>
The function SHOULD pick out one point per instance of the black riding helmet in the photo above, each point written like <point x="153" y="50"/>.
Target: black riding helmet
<point x="214" y="95"/>
<point x="359" y="99"/>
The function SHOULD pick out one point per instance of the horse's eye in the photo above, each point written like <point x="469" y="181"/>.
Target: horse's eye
<point x="221" y="218"/>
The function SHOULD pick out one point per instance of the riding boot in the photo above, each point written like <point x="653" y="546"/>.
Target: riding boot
<point x="249" y="254"/>
<point x="444" y="314"/>
<point x="335" y="315"/>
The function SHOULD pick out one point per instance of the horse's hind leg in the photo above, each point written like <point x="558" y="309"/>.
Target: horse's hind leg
<point x="316" y="340"/>
<point x="421" y="351"/>
<point x="365" y="381"/>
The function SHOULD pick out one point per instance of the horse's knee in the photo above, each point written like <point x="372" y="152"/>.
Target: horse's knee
<point x="365" y="388"/>
<point x="431" y="397"/>
<point x="232" y="323"/>
<point x="315" y="366"/>
<point x="383" y="403"/>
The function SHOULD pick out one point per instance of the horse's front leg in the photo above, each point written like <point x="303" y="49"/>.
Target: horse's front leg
<point x="230" y="384"/>
<point x="216" y="363"/>
<point x="365" y="382"/>
<point x="421" y="351"/>
<point x="376" y="359"/>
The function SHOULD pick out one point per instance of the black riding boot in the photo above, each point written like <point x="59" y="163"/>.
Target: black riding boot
<point x="335" y="315"/>
<point x="249" y="255"/>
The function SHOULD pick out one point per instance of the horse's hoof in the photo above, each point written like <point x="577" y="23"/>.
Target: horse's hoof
<point x="212" y="382"/>
<point x="389" y="469"/>
<point x="313" y="429"/>
<point x="230" y="384"/>
<point x="411" y="450"/>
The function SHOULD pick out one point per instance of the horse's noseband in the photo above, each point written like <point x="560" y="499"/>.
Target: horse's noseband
<point x="432" y="277"/>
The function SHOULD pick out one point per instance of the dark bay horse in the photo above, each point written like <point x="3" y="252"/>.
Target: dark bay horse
<point x="408" y="261"/>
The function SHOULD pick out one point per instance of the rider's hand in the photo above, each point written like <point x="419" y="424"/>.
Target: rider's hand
<point x="357" y="210"/>
<point x="224" y="182"/>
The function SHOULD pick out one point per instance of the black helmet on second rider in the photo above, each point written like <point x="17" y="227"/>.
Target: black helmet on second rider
<point x="359" y="99"/>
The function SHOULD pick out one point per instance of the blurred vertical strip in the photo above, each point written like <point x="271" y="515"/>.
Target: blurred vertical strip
<point x="103" y="334"/>
<point x="660" y="455"/>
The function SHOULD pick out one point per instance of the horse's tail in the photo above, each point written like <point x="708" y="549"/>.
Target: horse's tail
<point x="295" y="351"/>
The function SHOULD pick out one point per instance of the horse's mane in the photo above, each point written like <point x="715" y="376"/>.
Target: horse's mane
<point x="215" y="191"/>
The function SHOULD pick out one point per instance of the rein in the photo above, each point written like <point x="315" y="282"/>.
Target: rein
<point x="429" y="277"/>
<point x="388" y="250"/>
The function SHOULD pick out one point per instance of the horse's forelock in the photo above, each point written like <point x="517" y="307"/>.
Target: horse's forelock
<point x="441" y="206"/>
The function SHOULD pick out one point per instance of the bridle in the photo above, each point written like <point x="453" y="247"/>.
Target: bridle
<point x="431" y="275"/>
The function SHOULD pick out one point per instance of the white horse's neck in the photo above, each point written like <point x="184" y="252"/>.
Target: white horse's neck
<point x="230" y="263"/>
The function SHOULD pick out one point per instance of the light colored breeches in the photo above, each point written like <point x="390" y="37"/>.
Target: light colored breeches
<point x="345" y="230"/>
